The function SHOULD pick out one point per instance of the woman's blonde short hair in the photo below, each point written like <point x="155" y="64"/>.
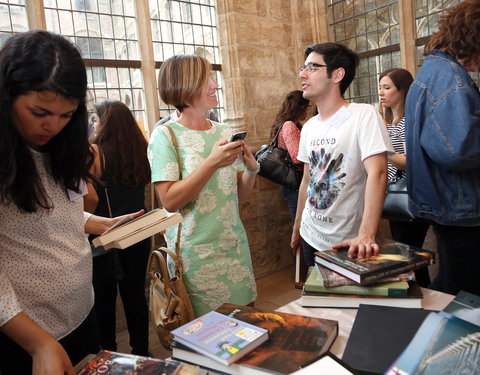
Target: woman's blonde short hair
<point x="182" y="79"/>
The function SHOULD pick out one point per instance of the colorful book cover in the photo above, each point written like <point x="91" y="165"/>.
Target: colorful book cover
<point x="332" y="279"/>
<point x="394" y="258"/>
<point x="444" y="344"/>
<point x="295" y="340"/>
<point x="112" y="363"/>
<point x="220" y="337"/>
<point x="393" y="289"/>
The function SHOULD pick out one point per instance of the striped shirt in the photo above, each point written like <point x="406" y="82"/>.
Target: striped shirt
<point x="397" y="136"/>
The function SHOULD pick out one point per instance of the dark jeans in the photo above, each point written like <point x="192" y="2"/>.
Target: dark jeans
<point x="459" y="265"/>
<point x="291" y="197"/>
<point x="412" y="233"/>
<point x="80" y="342"/>
<point x="308" y="253"/>
<point x="128" y="272"/>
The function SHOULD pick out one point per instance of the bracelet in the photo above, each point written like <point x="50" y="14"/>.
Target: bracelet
<point x="253" y="172"/>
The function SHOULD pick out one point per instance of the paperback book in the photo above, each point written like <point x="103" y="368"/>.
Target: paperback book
<point x="111" y="363"/>
<point x="128" y="232"/>
<point x="318" y="299"/>
<point x="394" y="258"/>
<point x="295" y="341"/>
<point x="314" y="283"/>
<point x="444" y="344"/>
<point x="220" y="337"/>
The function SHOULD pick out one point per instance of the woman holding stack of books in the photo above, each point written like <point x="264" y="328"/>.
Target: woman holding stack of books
<point x="205" y="183"/>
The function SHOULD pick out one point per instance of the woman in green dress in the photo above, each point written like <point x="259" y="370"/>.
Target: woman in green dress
<point x="213" y="242"/>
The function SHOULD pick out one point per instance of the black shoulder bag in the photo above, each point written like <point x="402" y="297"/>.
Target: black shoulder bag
<point x="276" y="165"/>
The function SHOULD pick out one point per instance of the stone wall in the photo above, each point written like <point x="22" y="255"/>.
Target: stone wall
<point x="261" y="48"/>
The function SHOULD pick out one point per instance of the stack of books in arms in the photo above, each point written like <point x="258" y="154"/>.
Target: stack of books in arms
<point x="447" y="342"/>
<point x="384" y="279"/>
<point x="294" y="341"/>
<point x="129" y="231"/>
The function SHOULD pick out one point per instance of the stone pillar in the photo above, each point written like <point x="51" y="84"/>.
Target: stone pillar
<point x="262" y="43"/>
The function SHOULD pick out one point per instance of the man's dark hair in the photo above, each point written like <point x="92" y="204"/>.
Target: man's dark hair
<point x="337" y="56"/>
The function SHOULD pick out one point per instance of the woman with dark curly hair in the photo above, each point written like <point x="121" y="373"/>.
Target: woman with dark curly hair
<point x="289" y="120"/>
<point x="442" y="118"/>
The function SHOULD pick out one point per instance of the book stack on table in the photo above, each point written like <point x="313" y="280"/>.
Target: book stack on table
<point x="384" y="279"/>
<point x="294" y="341"/>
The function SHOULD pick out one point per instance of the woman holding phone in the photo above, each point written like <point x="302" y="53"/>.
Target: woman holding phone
<point x="207" y="189"/>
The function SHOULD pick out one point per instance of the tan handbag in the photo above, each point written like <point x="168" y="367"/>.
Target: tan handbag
<point x="169" y="303"/>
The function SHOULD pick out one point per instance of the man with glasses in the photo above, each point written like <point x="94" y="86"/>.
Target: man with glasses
<point x="344" y="150"/>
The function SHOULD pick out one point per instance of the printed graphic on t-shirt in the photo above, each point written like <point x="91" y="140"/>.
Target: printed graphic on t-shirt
<point x="326" y="176"/>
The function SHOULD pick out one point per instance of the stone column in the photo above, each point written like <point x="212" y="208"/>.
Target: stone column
<point x="262" y="43"/>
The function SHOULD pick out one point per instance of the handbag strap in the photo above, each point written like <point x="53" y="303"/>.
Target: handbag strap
<point x="157" y="264"/>
<point x="274" y="141"/>
<point x="175" y="146"/>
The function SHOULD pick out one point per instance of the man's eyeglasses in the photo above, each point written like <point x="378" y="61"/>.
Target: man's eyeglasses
<point x="311" y="67"/>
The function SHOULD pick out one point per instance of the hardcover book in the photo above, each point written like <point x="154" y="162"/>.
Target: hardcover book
<point x="393" y="289"/>
<point x="130" y="231"/>
<point x="394" y="258"/>
<point x="465" y="306"/>
<point x="111" y="363"/>
<point x="295" y="341"/>
<point x="220" y="337"/>
<point x="331" y="279"/>
<point x="444" y="344"/>
<point x="379" y="334"/>
<point x="319" y="299"/>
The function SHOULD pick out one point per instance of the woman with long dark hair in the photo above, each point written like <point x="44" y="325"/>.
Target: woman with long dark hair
<point x="289" y="117"/>
<point x="46" y="296"/>
<point x="393" y="89"/>
<point x="122" y="166"/>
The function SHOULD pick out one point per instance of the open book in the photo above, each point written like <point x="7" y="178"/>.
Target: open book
<point x="129" y="231"/>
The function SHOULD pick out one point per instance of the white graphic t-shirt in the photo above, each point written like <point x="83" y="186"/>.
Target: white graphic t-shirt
<point x="335" y="150"/>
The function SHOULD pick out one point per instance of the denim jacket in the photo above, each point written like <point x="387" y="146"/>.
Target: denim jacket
<point x="442" y="116"/>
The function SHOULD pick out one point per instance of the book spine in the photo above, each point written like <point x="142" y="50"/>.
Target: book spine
<point x="359" y="290"/>
<point x="375" y="276"/>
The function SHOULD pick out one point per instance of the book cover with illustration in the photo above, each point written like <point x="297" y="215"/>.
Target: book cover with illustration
<point x="295" y="340"/>
<point x="113" y="363"/>
<point x="220" y="337"/>
<point x="394" y="258"/>
<point x="314" y="283"/>
<point x="444" y="344"/>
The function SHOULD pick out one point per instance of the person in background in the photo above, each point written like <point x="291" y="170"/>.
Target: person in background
<point x="47" y="320"/>
<point x="344" y="149"/>
<point x="292" y="112"/>
<point x="392" y="90"/>
<point x="122" y="166"/>
<point x="442" y="115"/>
<point x="213" y="241"/>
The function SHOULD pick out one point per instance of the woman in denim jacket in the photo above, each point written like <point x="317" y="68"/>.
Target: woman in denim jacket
<point x="443" y="147"/>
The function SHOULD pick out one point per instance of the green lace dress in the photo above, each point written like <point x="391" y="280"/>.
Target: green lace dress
<point x="214" y="246"/>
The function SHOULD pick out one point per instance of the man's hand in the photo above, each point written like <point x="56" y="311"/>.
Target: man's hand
<point x="362" y="247"/>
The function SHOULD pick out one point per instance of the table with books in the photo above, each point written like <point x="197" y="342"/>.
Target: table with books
<point x="432" y="300"/>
